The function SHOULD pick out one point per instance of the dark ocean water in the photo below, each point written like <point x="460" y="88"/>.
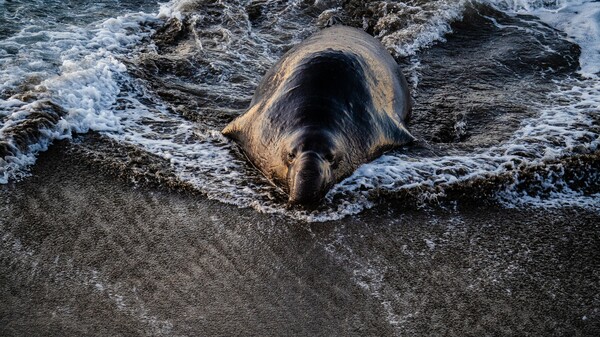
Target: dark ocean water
<point x="507" y="95"/>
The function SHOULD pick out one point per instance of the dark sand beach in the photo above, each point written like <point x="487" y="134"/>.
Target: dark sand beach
<point x="86" y="253"/>
<point x="127" y="226"/>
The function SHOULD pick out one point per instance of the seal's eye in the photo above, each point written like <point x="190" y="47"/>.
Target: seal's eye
<point x="332" y="159"/>
<point x="291" y="156"/>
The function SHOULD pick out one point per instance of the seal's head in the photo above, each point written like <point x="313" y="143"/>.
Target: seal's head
<point x="311" y="158"/>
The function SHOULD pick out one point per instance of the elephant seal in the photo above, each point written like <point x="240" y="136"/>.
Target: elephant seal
<point x="332" y="103"/>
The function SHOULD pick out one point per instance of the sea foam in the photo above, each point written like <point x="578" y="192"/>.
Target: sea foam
<point x="79" y="70"/>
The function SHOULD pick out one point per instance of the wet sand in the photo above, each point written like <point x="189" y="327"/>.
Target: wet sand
<point x="86" y="253"/>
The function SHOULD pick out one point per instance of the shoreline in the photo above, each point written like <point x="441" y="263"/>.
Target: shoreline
<point x="86" y="252"/>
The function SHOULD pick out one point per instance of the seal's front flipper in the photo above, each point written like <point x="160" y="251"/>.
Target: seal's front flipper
<point x="237" y="128"/>
<point x="398" y="138"/>
<point x="232" y="130"/>
<point x="402" y="137"/>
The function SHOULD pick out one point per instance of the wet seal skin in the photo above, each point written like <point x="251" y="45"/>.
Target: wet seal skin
<point x="332" y="103"/>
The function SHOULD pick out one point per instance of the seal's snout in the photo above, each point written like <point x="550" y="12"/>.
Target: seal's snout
<point x="309" y="178"/>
